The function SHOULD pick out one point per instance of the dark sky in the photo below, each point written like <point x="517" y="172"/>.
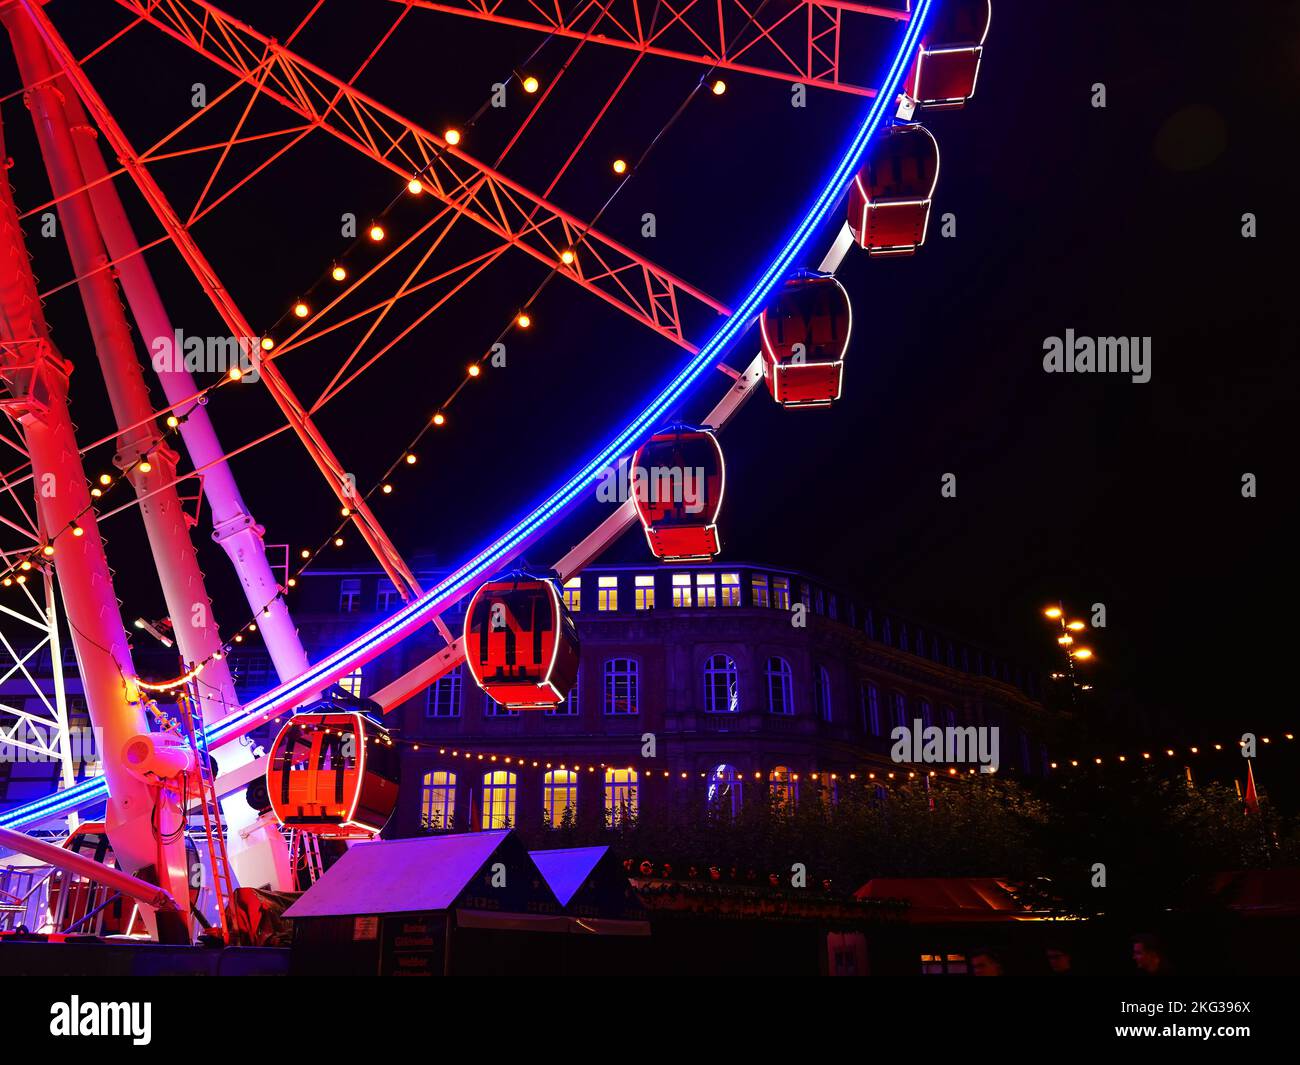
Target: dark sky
<point x="1117" y="221"/>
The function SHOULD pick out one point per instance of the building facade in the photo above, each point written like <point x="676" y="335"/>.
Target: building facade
<point x="736" y="681"/>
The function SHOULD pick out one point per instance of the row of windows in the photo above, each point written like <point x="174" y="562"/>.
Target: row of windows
<point x="622" y="690"/>
<point x="693" y="590"/>
<point x="500" y="795"/>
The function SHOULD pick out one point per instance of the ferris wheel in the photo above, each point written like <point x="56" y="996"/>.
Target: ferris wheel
<point x="401" y="262"/>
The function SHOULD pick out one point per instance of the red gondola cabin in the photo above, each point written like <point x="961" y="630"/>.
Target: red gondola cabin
<point x="947" y="62"/>
<point x="805" y="333"/>
<point x="333" y="773"/>
<point x="521" y="645"/>
<point x="889" y="200"/>
<point x="678" y="480"/>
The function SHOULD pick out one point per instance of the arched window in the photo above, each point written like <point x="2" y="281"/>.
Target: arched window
<point x="898" y="715"/>
<point x="784" y="787"/>
<point x="871" y="706"/>
<point x="443" y="697"/>
<point x="780" y="686"/>
<point x="822" y="689"/>
<point x="559" y="793"/>
<point x="721" y="685"/>
<point x="500" y="788"/>
<point x="620" y="795"/>
<point x="927" y="715"/>
<point x="571" y="707"/>
<point x="725" y="789"/>
<point x="622" y="686"/>
<point x="438" y="801"/>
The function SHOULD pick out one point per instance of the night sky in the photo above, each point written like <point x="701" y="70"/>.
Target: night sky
<point x="1117" y="221"/>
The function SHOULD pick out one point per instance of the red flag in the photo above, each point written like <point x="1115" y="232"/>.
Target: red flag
<point x="1252" y="797"/>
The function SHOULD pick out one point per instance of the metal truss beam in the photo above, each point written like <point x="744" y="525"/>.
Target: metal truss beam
<point x="789" y="40"/>
<point x="616" y="274"/>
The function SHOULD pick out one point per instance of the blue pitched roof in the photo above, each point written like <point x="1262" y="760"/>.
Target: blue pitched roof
<point x="566" y="869"/>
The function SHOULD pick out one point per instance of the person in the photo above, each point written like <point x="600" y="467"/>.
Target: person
<point x="1149" y="955"/>
<point x="984" y="962"/>
<point x="1059" y="961"/>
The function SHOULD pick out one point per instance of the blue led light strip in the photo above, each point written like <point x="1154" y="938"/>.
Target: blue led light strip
<point x="416" y="612"/>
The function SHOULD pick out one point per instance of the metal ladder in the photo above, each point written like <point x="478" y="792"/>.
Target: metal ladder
<point x="304" y="852"/>
<point x="214" y="830"/>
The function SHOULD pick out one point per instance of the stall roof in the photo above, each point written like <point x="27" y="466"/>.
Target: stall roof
<point x="399" y="875"/>
<point x="933" y="899"/>
<point x="566" y="869"/>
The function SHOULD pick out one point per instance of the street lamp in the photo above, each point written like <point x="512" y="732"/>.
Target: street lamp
<point x="1066" y="641"/>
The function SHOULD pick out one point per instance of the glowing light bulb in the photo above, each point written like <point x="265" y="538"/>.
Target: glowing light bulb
<point x="77" y="530"/>
<point x="301" y="310"/>
<point x="146" y="466"/>
<point x="338" y="541"/>
<point x="338" y="273"/>
<point x="1053" y="612"/>
<point x="172" y="421"/>
<point x="47" y="550"/>
<point x="105" y="479"/>
<point x="620" y="166"/>
<point x="414" y="186"/>
<point x="439" y="418"/>
<point x="474" y="370"/>
<point x="293" y="582"/>
<point x="719" y="87"/>
<point x="376" y="233"/>
<point x="452" y="136"/>
<point x="345" y="511"/>
<point x="387" y="489"/>
<point x="525" y="320"/>
<point x="410" y="460"/>
<point x="235" y="373"/>
<point x="531" y="84"/>
<point x="566" y="256"/>
<point x="305" y="553"/>
<point x="267" y="344"/>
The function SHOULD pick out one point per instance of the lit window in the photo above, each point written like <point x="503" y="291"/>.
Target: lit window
<point x="834" y="608"/>
<point x="780" y="686"/>
<point x="721" y="685"/>
<point x="681" y="589"/>
<point x="819" y="600"/>
<point x="572" y="592"/>
<point x="872" y="696"/>
<point x="899" y="714"/>
<point x="784" y="788"/>
<point x="822" y="689"/>
<point x="570" y="706"/>
<point x="725" y="790"/>
<point x="869" y="623"/>
<point x="919" y="645"/>
<point x="492" y="708"/>
<point x="950" y="717"/>
<point x="351" y="683"/>
<point x="620" y="795"/>
<point x="903" y="643"/>
<point x="645" y="592"/>
<point x="500" y="789"/>
<point x="706" y="589"/>
<point x="607" y="593"/>
<point x="559" y="796"/>
<point x="443" y="697"/>
<point x="386" y="597"/>
<point x="805" y="597"/>
<point x="758" y="585"/>
<point x="349" y="595"/>
<point x="926" y="714"/>
<point x="887" y="631"/>
<point x="622" y="686"/>
<point x="781" y="593"/>
<point x="731" y="589"/>
<point x="438" y="801"/>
